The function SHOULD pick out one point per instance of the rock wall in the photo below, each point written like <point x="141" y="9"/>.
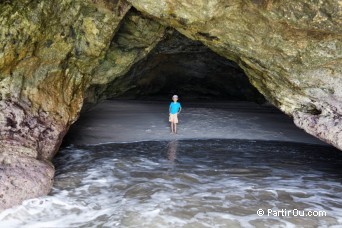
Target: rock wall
<point x="51" y="52"/>
<point x="136" y="37"/>
<point x="56" y="53"/>
<point x="48" y="51"/>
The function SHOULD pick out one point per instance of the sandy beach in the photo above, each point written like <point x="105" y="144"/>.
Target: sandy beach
<point x="130" y="121"/>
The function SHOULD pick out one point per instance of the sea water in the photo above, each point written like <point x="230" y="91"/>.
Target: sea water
<point x="189" y="183"/>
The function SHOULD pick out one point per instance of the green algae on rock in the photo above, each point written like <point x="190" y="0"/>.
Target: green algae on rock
<point x="136" y="37"/>
<point x="48" y="50"/>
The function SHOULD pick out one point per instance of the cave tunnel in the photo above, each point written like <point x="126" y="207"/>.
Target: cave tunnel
<point x="185" y="67"/>
<point x="177" y="65"/>
<point x="201" y="78"/>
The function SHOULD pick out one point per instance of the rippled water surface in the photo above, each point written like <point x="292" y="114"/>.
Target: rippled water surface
<point x="190" y="183"/>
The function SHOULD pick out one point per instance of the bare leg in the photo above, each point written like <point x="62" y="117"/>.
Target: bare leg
<point x="171" y="127"/>
<point x="175" y="127"/>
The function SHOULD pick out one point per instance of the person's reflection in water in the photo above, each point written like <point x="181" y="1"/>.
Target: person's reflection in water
<point x="172" y="150"/>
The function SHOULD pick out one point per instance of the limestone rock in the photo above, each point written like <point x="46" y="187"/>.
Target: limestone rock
<point x="23" y="177"/>
<point x="136" y="37"/>
<point x="48" y="51"/>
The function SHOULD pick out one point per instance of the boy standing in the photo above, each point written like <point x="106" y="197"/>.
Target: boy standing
<point x="174" y="110"/>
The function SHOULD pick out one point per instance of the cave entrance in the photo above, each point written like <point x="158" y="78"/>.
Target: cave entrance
<point x="187" y="68"/>
<point x="135" y="106"/>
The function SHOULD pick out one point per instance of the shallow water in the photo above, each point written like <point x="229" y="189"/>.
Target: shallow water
<point x="190" y="183"/>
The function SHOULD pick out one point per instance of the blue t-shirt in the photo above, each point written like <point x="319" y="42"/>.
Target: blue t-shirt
<point x="174" y="107"/>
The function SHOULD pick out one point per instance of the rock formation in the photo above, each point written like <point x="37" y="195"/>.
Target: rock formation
<point x="54" y="54"/>
<point x="51" y="52"/>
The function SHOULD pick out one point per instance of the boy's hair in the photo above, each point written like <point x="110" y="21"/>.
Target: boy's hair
<point x="174" y="96"/>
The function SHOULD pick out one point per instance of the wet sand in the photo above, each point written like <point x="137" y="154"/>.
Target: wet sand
<point x="130" y="121"/>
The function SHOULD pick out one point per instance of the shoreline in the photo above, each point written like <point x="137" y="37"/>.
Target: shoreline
<point x="127" y="121"/>
<point x="198" y="139"/>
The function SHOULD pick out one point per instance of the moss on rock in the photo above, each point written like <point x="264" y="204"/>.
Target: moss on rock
<point x="136" y="37"/>
<point x="48" y="52"/>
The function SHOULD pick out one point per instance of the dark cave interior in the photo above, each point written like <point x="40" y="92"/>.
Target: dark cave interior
<point x="181" y="66"/>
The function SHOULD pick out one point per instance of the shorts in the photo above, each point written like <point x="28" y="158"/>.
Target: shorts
<point x="173" y="118"/>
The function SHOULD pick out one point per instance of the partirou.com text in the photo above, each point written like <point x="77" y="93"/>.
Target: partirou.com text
<point x="290" y="213"/>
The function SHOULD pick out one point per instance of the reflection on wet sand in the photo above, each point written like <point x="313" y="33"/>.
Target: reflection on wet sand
<point x="172" y="150"/>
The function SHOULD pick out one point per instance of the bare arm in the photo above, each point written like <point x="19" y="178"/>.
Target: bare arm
<point x="180" y="109"/>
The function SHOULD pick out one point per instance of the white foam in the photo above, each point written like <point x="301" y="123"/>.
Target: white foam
<point x="140" y="191"/>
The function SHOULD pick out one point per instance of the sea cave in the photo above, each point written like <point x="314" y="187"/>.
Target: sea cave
<point x="86" y="88"/>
